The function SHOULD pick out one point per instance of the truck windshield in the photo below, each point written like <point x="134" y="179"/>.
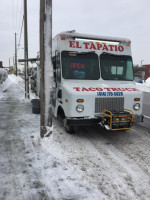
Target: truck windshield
<point x="114" y="67"/>
<point x="84" y="66"/>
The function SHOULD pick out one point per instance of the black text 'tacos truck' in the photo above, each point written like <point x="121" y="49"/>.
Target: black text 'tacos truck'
<point x="94" y="82"/>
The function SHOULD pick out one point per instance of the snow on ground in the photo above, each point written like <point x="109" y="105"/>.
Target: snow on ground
<point x="10" y="84"/>
<point x="57" y="176"/>
<point x="145" y="87"/>
<point x="91" y="164"/>
<point x="3" y="75"/>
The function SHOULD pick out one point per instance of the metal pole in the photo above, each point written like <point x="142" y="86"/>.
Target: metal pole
<point x="26" y="50"/>
<point x="141" y="62"/>
<point x="141" y="69"/>
<point x="42" y="58"/>
<point x="16" y="53"/>
<point x="45" y="14"/>
<point x="49" y="57"/>
<point x="13" y="60"/>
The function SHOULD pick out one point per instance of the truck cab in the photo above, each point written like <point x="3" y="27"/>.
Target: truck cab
<point x="94" y="82"/>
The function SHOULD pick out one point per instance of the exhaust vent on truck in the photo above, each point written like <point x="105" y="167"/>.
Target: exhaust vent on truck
<point x="109" y="103"/>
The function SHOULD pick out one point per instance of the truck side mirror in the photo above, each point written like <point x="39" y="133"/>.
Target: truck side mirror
<point x="54" y="72"/>
<point x="54" y="62"/>
<point x="54" y="67"/>
<point x="59" y="94"/>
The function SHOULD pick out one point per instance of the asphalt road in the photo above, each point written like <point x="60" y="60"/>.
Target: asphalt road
<point x="146" y="110"/>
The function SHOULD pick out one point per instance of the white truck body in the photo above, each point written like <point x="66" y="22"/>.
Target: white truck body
<point x="93" y="74"/>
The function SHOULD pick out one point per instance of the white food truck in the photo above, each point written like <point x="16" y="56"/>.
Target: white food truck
<point x="94" y="82"/>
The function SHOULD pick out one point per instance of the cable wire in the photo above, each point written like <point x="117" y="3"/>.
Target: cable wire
<point x="17" y="4"/>
<point x="21" y="13"/>
<point x="13" y="15"/>
<point x="21" y="30"/>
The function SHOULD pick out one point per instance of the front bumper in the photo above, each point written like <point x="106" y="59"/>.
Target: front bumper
<point x="82" y="121"/>
<point x="91" y="121"/>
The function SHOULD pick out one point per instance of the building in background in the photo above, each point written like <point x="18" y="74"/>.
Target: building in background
<point x="147" y="71"/>
<point x="142" y="72"/>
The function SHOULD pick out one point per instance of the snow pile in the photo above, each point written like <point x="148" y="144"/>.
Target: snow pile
<point x="148" y="81"/>
<point x="145" y="86"/>
<point x="12" y="79"/>
<point x="3" y="75"/>
<point x="11" y="85"/>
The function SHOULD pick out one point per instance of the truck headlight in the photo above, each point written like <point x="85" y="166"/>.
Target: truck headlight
<point x="79" y="108"/>
<point x="136" y="106"/>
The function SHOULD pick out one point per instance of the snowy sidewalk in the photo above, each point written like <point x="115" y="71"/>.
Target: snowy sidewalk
<point x="27" y="171"/>
<point x="19" y="179"/>
<point x="92" y="164"/>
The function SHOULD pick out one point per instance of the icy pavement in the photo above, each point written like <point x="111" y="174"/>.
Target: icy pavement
<point x="93" y="164"/>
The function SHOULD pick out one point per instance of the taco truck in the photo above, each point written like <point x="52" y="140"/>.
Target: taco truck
<point x="94" y="82"/>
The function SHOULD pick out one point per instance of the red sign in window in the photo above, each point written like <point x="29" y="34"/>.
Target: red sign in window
<point x="77" y="66"/>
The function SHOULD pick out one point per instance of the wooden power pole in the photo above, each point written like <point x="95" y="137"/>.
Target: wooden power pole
<point x="45" y="65"/>
<point x="9" y="62"/>
<point x="16" y="53"/>
<point x="26" y="50"/>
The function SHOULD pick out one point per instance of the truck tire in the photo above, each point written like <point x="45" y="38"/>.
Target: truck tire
<point x="68" y="128"/>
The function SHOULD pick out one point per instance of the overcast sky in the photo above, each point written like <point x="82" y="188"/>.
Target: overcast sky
<point x="120" y="18"/>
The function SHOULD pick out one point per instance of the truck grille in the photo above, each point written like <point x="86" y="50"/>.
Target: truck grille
<point x="108" y="103"/>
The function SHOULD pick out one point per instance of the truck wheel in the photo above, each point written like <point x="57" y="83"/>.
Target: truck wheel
<point x="68" y="128"/>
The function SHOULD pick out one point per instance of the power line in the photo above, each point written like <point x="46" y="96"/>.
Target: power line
<point x="13" y="14"/>
<point x="21" y="30"/>
<point x="16" y="16"/>
<point x="17" y="13"/>
<point x="21" y="13"/>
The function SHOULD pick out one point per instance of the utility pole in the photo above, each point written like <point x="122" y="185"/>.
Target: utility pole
<point x="141" y="62"/>
<point x="13" y="60"/>
<point x="16" y="53"/>
<point x="26" y="50"/>
<point x="9" y="62"/>
<point x="46" y="66"/>
<point x="141" y="70"/>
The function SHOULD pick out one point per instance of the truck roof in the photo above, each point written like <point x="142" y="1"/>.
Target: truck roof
<point x="73" y="34"/>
